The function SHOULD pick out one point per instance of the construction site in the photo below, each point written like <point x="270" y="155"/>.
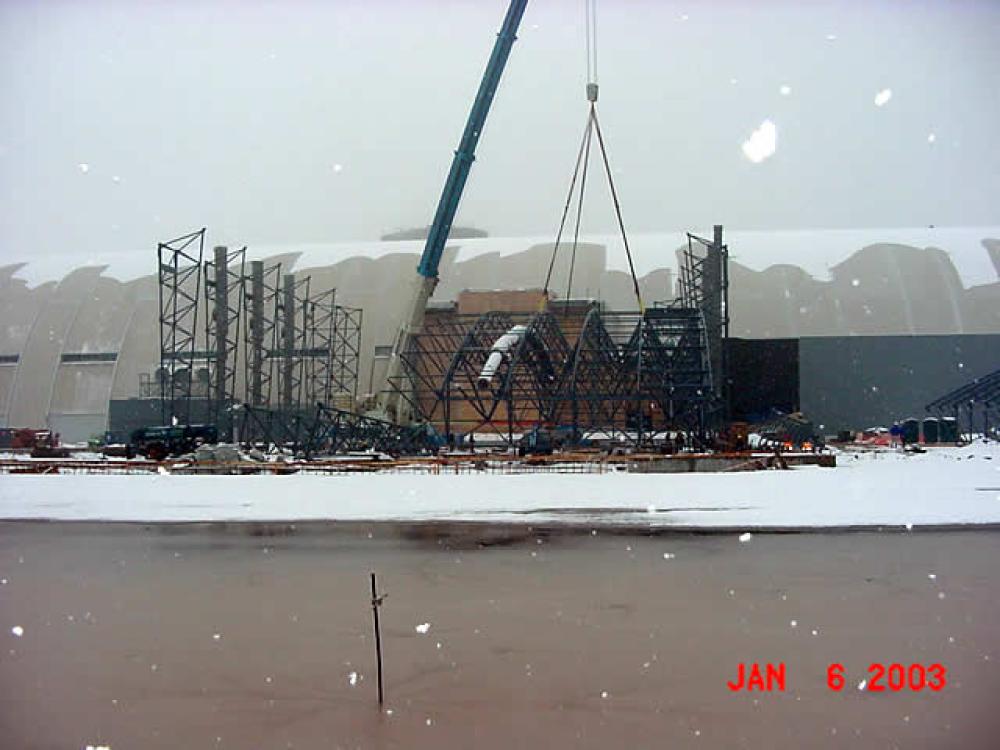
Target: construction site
<point x="264" y="360"/>
<point x="301" y="448"/>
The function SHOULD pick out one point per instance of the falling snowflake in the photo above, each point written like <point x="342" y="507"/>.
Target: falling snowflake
<point x="669" y="555"/>
<point x="352" y="678"/>
<point x="762" y="143"/>
<point x="882" y="97"/>
<point x="863" y="685"/>
<point x="931" y="137"/>
<point x="746" y="537"/>
<point x="17" y="630"/>
<point x="794" y="623"/>
<point x="83" y="167"/>
<point x="785" y="90"/>
<point x="423" y="627"/>
<point x="338" y="168"/>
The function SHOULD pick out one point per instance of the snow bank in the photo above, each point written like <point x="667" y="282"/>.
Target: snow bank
<point x="943" y="486"/>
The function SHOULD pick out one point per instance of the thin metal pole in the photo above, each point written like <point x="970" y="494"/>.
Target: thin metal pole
<point x="376" y="603"/>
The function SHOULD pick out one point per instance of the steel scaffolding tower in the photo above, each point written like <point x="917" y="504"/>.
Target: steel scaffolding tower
<point x="260" y="306"/>
<point x="292" y="332"/>
<point x="266" y="344"/>
<point x="346" y="351"/>
<point x="703" y="284"/>
<point x="179" y="277"/>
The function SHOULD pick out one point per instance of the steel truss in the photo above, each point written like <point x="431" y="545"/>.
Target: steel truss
<point x="179" y="278"/>
<point x="260" y="305"/>
<point x="621" y="376"/>
<point x="703" y="284"/>
<point x="975" y="406"/>
<point x="281" y="428"/>
<point x="346" y="352"/>
<point x="265" y="343"/>
<point x="336" y="431"/>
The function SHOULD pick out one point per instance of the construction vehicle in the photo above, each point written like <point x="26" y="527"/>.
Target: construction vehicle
<point x="45" y="444"/>
<point x="391" y="405"/>
<point x="157" y="443"/>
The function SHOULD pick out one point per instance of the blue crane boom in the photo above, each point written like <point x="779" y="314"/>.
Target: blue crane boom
<point x="391" y="403"/>
<point x="466" y="153"/>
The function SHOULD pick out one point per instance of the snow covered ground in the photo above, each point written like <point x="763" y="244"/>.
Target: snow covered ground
<point x="942" y="486"/>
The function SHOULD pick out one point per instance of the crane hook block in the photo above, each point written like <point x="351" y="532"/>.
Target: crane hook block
<point x="591" y="92"/>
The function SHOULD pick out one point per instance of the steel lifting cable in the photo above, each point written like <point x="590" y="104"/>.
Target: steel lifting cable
<point x="583" y="156"/>
<point x="618" y="210"/>
<point x="579" y="206"/>
<point x="590" y="13"/>
<point x="584" y="144"/>
<point x="590" y="20"/>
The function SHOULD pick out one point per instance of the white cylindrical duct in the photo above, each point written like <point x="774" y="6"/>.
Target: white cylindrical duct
<point x="501" y="347"/>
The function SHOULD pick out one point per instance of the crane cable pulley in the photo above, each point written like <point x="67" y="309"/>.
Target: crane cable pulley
<point x="580" y="175"/>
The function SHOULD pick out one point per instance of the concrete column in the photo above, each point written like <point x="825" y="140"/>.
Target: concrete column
<point x="256" y="323"/>
<point x="221" y="320"/>
<point x="288" y="340"/>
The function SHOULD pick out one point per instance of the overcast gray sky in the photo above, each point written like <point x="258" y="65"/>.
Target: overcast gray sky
<point x="124" y="123"/>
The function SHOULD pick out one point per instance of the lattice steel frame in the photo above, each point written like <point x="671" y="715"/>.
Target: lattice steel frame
<point x="980" y="398"/>
<point x="179" y="281"/>
<point x="332" y="350"/>
<point x="261" y="334"/>
<point x="346" y="362"/>
<point x="627" y="376"/>
<point x="314" y="343"/>
<point x="291" y="332"/>
<point x="337" y="431"/>
<point x="703" y="284"/>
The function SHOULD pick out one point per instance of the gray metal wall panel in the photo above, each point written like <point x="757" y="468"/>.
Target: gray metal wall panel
<point x="854" y="382"/>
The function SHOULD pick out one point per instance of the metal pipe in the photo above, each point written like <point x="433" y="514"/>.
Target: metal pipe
<point x="501" y="347"/>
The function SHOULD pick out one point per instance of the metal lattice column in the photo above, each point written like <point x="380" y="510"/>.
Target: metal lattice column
<point x="179" y="282"/>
